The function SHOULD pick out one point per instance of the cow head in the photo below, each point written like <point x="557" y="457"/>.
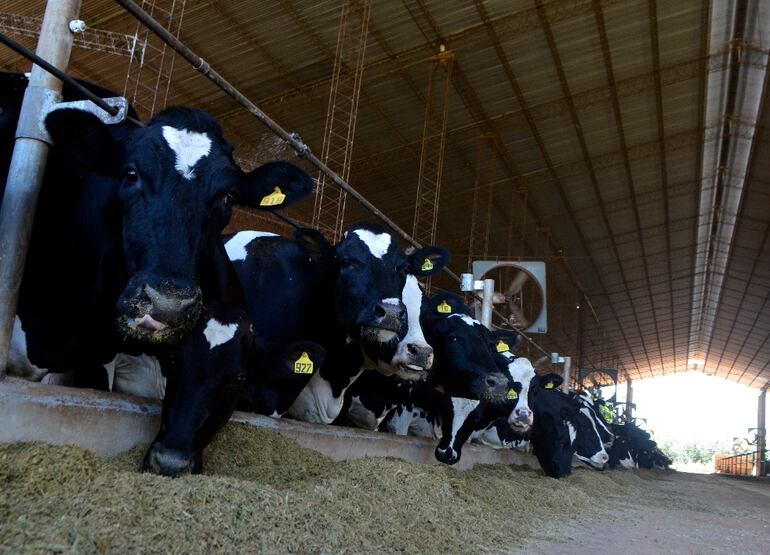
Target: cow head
<point x="176" y="182"/>
<point x="414" y="356"/>
<point x="522" y="373"/>
<point x="206" y="373"/>
<point x="467" y="368"/>
<point x="372" y="271"/>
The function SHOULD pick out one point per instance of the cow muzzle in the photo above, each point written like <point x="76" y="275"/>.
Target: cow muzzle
<point x="521" y="419"/>
<point x="493" y="387"/>
<point x="413" y="361"/>
<point x="167" y="461"/>
<point x="158" y="314"/>
<point x="388" y="321"/>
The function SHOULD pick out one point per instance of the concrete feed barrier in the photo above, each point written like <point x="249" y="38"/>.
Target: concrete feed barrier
<point x="109" y="423"/>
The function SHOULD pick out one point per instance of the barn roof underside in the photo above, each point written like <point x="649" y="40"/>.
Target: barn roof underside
<point x="633" y="153"/>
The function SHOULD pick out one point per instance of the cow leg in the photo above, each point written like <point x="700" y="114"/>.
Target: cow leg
<point x="91" y="376"/>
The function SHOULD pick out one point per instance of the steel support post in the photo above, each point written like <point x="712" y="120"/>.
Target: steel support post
<point x="629" y="398"/>
<point x="761" y="431"/>
<point x="30" y="153"/>
<point x="486" y="303"/>
<point x="567" y="368"/>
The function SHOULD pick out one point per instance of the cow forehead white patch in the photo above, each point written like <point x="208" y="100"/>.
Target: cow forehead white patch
<point x="465" y="318"/>
<point x="378" y="244"/>
<point x="217" y="333"/>
<point x="521" y="370"/>
<point x="236" y="245"/>
<point x="189" y="147"/>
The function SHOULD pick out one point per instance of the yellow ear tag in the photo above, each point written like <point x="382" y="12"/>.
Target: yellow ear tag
<point x="427" y="266"/>
<point x="444" y="308"/>
<point x="512" y="395"/>
<point x="303" y="365"/>
<point x="549" y="385"/>
<point x="502" y="346"/>
<point x="273" y="199"/>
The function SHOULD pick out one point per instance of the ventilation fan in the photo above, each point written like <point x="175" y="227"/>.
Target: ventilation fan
<point x="520" y="293"/>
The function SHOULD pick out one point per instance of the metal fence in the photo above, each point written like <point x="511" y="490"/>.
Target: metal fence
<point x="744" y="464"/>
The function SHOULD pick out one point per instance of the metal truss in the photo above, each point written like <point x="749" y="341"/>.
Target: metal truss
<point x="149" y="74"/>
<point x="481" y="212"/>
<point x="432" y="151"/>
<point x="337" y="151"/>
<point x="92" y="39"/>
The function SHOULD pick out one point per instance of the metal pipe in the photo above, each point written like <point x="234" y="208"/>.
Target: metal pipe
<point x="50" y="68"/>
<point x="629" y="398"/>
<point x="486" y="302"/>
<point x="761" y="432"/>
<point x="202" y="67"/>
<point x="30" y="154"/>
<point x="567" y="368"/>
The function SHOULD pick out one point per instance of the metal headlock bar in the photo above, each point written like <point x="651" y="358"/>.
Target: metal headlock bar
<point x="201" y="66"/>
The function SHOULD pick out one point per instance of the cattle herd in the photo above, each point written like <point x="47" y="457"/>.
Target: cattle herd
<point x="130" y="286"/>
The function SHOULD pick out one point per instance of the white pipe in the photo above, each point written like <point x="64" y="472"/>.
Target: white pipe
<point x="567" y="367"/>
<point x="486" y="302"/>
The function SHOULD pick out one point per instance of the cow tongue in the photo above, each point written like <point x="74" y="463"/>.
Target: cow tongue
<point x="149" y="323"/>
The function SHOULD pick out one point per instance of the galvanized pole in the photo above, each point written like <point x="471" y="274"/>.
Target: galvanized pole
<point x="629" y="398"/>
<point x="30" y="153"/>
<point x="567" y="368"/>
<point x="761" y="431"/>
<point x="486" y="302"/>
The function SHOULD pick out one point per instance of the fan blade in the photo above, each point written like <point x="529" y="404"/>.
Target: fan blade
<point x="521" y="320"/>
<point x="517" y="283"/>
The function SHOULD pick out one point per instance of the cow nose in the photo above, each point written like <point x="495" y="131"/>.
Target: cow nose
<point x="167" y="461"/>
<point x="389" y="308"/>
<point x="178" y="306"/>
<point x="604" y="457"/>
<point x="523" y="414"/>
<point x="496" y="385"/>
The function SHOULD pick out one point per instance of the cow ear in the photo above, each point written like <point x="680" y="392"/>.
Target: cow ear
<point x="313" y="243"/>
<point x="273" y="186"/>
<point x="84" y="140"/>
<point x="427" y="260"/>
<point x="502" y="341"/>
<point x="551" y="381"/>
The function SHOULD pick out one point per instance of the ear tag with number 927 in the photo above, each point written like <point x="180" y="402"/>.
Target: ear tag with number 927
<point x="303" y="365"/>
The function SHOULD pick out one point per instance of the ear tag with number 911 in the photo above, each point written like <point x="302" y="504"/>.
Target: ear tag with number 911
<point x="273" y="199"/>
<point x="303" y="365"/>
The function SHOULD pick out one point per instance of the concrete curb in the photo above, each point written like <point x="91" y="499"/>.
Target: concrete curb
<point x="109" y="424"/>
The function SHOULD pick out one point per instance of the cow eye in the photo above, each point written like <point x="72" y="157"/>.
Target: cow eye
<point x="346" y="263"/>
<point x="131" y="176"/>
<point x="240" y="379"/>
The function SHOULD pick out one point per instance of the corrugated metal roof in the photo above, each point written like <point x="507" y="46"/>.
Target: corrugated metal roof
<point x="609" y="114"/>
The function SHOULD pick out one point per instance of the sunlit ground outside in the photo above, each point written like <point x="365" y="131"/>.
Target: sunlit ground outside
<point x="693" y="416"/>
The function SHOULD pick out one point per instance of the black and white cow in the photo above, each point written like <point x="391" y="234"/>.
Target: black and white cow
<point x="348" y="298"/>
<point x="127" y="224"/>
<point x="466" y="390"/>
<point x="561" y="430"/>
<point x="207" y="372"/>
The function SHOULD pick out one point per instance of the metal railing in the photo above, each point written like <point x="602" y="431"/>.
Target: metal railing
<point x="744" y="464"/>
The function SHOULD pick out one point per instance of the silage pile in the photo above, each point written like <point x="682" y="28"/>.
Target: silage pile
<point x="263" y="493"/>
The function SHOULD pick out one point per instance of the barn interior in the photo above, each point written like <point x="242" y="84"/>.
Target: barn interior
<point x="622" y="143"/>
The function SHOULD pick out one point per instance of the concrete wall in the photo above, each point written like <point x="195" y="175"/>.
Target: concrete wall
<point x="108" y="424"/>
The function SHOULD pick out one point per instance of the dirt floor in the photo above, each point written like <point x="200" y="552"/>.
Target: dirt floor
<point x="264" y="494"/>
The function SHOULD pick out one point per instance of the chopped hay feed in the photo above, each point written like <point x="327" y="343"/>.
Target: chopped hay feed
<point x="263" y="493"/>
